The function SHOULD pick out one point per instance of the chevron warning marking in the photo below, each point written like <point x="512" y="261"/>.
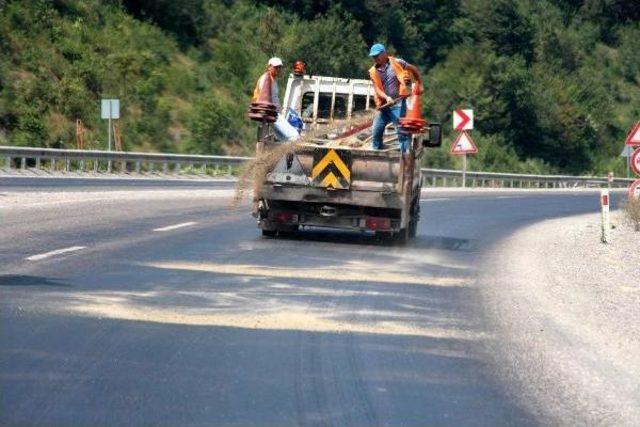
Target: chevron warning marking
<point x="330" y="181"/>
<point x="331" y="157"/>
<point x="332" y="168"/>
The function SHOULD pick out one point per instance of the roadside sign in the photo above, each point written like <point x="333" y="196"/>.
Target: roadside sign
<point x="463" y="145"/>
<point x="626" y="151"/>
<point x="606" y="222"/>
<point x="634" y="136"/>
<point x="635" y="161"/>
<point x="110" y="109"/>
<point x="634" y="190"/>
<point x="462" y="120"/>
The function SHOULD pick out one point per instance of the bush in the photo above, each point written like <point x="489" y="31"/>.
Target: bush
<point x="632" y="213"/>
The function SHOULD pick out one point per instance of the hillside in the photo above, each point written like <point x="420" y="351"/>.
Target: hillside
<point x="554" y="83"/>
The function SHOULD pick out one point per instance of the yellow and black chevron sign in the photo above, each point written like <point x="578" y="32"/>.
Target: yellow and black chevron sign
<point x="331" y="168"/>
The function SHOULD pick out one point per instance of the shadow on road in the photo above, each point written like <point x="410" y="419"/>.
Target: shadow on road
<point x="22" y="280"/>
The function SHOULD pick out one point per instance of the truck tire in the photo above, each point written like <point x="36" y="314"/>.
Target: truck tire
<point x="269" y="233"/>
<point x="415" y="217"/>
<point x="403" y="236"/>
<point x="413" y="227"/>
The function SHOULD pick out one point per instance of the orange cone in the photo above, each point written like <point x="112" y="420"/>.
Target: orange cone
<point x="263" y="110"/>
<point x="412" y="122"/>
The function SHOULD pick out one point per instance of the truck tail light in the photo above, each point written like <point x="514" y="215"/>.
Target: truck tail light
<point x="373" y="223"/>
<point x="284" y="217"/>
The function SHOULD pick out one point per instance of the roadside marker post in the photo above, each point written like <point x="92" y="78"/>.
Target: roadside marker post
<point x="606" y="222"/>
<point x="609" y="180"/>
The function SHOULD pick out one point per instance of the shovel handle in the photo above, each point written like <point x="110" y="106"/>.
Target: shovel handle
<point x="390" y="103"/>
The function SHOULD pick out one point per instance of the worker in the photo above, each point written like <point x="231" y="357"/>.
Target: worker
<point x="283" y="129"/>
<point x="391" y="78"/>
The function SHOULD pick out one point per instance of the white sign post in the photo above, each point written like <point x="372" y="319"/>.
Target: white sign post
<point x="110" y="110"/>
<point x="606" y="223"/>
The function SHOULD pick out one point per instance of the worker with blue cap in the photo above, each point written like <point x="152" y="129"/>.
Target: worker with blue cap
<point x="391" y="78"/>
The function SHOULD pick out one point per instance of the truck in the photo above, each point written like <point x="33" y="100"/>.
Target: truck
<point x="335" y="178"/>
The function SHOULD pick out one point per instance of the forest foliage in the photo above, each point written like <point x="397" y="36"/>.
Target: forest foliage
<point x="554" y="83"/>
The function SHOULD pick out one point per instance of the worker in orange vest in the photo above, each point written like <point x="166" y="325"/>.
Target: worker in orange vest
<point x="283" y="129"/>
<point x="391" y="77"/>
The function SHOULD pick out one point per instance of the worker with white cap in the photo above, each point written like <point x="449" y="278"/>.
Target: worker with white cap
<point x="284" y="130"/>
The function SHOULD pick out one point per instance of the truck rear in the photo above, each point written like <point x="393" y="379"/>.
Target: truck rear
<point x="335" y="178"/>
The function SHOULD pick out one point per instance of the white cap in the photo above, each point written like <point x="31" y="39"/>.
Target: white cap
<point x="275" y="62"/>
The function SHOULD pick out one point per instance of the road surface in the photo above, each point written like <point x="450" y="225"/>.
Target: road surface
<point x="157" y="309"/>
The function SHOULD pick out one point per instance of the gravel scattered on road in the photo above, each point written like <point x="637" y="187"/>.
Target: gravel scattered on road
<point x="567" y="309"/>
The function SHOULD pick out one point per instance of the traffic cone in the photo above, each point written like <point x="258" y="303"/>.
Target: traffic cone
<point x="412" y="122"/>
<point x="263" y="110"/>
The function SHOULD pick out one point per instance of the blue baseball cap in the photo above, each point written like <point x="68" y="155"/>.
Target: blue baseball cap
<point x="376" y="49"/>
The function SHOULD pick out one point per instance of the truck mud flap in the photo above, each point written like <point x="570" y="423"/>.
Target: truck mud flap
<point x="331" y="168"/>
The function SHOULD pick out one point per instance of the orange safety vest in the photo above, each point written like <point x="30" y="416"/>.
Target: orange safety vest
<point x="375" y="78"/>
<point x="258" y="89"/>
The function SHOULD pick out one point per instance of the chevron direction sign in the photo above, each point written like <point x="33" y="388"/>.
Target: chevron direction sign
<point x="331" y="168"/>
<point x="462" y="120"/>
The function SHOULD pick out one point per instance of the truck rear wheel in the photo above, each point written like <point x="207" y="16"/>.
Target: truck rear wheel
<point x="269" y="233"/>
<point x="413" y="227"/>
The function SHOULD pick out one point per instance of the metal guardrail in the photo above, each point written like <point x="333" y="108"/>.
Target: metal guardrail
<point x="110" y="161"/>
<point x="453" y="178"/>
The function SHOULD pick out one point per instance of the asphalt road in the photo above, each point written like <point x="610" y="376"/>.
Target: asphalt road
<point x="176" y="312"/>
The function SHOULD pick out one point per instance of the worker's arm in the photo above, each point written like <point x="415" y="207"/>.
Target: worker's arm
<point x="416" y="77"/>
<point x="381" y="94"/>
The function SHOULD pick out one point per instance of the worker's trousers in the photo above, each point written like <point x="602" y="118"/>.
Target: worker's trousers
<point x="383" y="118"/>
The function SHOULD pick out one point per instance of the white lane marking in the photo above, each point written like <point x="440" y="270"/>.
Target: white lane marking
<point x="173" y="227"/>
<point x="435" y="199"/>
<point x="56" y="252"/>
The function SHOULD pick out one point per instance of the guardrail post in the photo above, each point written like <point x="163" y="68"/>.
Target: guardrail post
<point x="23" y="163"/>
<point x="138" y="166"/>
<point x="53" y="163"/>
<point x="165" y="167"/>
<point x="38" y="162"/>
<point x="67" y="164"/>
<point x="81" y="165"/>
<point x="229" y="169"/>
<point x="96" y="164"/>
<point x="109" y="166"/>
<point x="7" y="162"/>
<point x="203" y="168"/>
<point x="177" y="168"/>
